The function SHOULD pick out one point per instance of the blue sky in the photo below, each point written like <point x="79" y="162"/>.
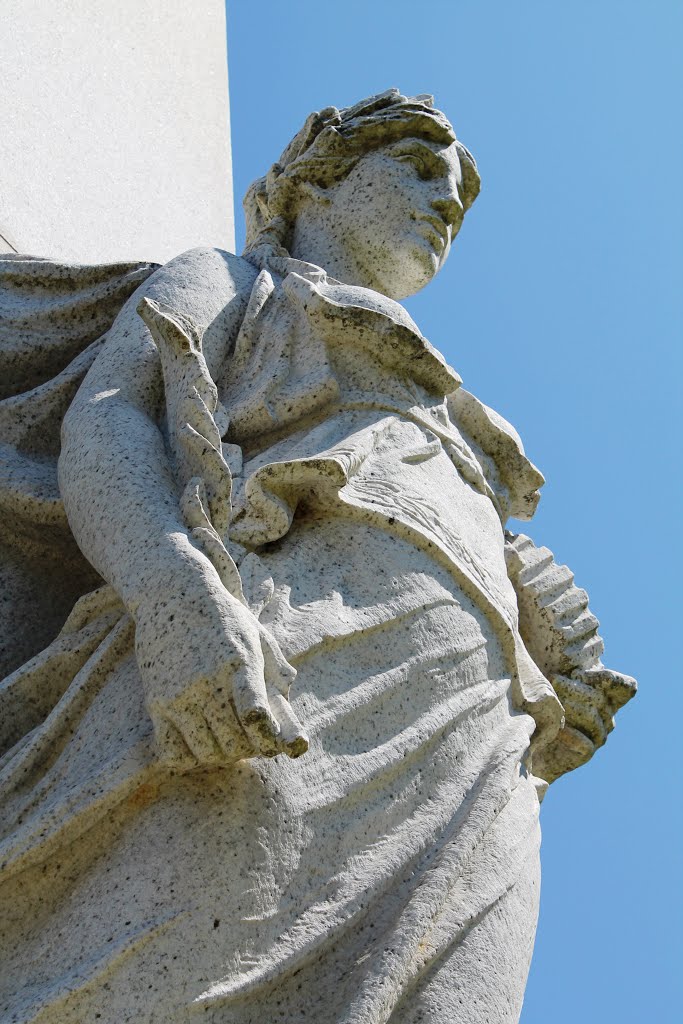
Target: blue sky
<point x="560" y="306"/>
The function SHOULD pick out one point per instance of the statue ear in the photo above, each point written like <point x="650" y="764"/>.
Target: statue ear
<point x="471" y="182"/>
<point x="262" y="203"/>
<point x="316" y="193"/>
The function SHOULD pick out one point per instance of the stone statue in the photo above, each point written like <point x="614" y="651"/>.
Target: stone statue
<point x="283" y="694"/>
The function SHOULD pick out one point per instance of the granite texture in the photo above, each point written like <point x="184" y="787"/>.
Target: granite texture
<point x="114" y="129"/>
<point x="282" y="758"/>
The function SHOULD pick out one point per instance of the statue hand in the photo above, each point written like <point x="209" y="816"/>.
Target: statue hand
<point x="215" y="680"/>
<point x="591" y="698"/>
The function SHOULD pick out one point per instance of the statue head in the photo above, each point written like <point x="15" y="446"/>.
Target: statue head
<point x="374" y="194"/>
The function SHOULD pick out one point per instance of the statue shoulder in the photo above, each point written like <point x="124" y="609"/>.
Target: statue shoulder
<point x="499" y="450"/>
<point x="206" y="268"/>
<point x="209" y="289"/>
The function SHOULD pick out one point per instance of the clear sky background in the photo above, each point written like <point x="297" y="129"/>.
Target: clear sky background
<point x="560" y="306"/>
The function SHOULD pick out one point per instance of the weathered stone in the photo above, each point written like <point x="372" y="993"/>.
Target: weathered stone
<point x="297" y="515"/>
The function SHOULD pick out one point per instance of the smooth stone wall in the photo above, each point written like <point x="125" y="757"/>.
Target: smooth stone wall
<point x="114" y="129"/>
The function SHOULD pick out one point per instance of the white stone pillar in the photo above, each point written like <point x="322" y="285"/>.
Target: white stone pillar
<point x="114" y="128"/>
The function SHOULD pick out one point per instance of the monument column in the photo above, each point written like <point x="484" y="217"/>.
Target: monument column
<point x="114" y="129"/>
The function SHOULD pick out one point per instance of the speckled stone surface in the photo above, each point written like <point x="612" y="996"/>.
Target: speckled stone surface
<point x="278" y="753"/>
<point x="114" y="115"/>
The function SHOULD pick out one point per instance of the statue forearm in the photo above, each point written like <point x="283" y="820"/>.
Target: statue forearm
<point x="118" y="488"/>
<point x="121" y="491"/>
<point x="155" y="529"/>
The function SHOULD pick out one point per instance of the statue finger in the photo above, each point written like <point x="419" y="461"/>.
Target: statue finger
<point x="617" y="687"/>
<point x="573" y="748"/>
<point x="293" y="737"/>
<point x="252" y="706"/>
<point x="277" y="669"/>
<point x="568" y="751"/>
<point x="226" y="728"/>
<point x="580" y="691"/>
<point x="191" y="723"/>
<point x="588" y="720"/>
<point x="172" y="750"/>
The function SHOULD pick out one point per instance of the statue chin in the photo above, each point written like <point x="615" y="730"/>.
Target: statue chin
<point x="406" y="272"/>
<point x="418" y="269"/>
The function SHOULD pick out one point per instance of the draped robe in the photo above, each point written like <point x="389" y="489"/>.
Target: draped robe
<point x="391" y="873"/>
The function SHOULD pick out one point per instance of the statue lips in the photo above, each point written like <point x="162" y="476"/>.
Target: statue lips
<point x="436" y="228"/>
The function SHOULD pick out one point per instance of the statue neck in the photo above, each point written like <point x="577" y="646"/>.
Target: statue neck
<point x="316" y="241"/>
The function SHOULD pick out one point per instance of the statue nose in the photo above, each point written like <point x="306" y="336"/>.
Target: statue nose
<point x="450" y="210"/>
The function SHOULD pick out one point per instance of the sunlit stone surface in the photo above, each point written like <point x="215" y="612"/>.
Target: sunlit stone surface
<point x="283" y="693"/>
<point x="114" y="129"/>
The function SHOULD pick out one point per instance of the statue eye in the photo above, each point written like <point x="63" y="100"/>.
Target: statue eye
<point x="421" y="165"/>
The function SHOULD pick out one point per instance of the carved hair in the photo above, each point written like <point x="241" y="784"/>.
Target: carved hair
<point x="327" y="149"/>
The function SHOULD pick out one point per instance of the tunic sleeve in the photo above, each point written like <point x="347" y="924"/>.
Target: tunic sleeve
<point x="513" y="478"/>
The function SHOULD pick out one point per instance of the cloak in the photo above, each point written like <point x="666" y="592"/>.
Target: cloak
<point x="53" y="319"/>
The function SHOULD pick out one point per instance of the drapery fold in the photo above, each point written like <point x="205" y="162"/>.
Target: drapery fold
<point x="53" y="321"/>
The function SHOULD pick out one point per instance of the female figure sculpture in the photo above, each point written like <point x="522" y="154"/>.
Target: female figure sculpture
<point x="297" y="515"/>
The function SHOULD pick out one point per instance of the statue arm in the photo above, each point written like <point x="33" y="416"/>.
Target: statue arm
<point x="213" y="677"/>
<point x="561" y="635"/>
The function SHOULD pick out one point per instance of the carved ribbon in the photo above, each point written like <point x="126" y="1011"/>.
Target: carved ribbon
<point x="196" y="421"/>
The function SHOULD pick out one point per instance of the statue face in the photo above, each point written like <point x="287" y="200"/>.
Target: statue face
<point x="394" y="217"/>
